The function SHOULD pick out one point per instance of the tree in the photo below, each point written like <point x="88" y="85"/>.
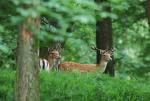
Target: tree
<point x="27" y="85"/>
<point x="104" y="37"/>
<point x="148" y="11"/>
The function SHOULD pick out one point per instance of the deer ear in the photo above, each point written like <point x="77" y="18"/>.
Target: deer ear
<point x="102" y="51"/>
<point x="111" y="51"/>
<point x="49" y="49"/>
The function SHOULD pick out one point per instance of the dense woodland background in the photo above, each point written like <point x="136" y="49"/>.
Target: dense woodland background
<point x="78" y="24"/>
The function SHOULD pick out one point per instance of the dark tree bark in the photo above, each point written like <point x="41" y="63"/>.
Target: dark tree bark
<point x="148" y="12"/>
<point x="104" y="38"/>
<point x="27" y="85"/>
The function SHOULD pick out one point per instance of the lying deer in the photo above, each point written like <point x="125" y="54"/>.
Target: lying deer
<point x="105" y="57"/>
<point x="53" y="58"/>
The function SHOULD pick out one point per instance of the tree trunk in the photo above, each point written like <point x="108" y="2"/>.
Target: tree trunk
<point x="104" y="38"/>
<point x="148" y="12"/>
<point x="27" y="83"/>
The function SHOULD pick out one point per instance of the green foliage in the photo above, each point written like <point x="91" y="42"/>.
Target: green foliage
<point x="7" y="42"/>
<point x="59" y="15"/>
<point x="130" y="30"/>
<point x="130" y="36"/>
<point x="7" y="78"/>
<point x="63" y="12"/>
<point x="77" y="48"/>
<point x="73" y="86"/>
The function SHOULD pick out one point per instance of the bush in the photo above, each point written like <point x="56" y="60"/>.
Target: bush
<point x="6" y="85"/>
<point x="74" y="86"/>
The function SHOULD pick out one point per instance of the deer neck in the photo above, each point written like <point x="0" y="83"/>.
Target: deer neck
<point x="51" y="61"/>
<point x="102" y="65"/>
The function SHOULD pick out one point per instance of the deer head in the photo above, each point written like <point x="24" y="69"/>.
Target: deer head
<point x="106" y="54"/>
<point x="54" y="51"/>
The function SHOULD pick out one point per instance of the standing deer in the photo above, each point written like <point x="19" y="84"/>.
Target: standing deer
<point x="53" y="58"/>
<point x="105" y="57"/>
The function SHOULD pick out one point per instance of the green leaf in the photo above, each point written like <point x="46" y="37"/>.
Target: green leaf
<point x="4" y="48"/>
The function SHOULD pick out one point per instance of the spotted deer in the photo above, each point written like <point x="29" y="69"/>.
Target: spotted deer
<point x="105" y="58"/>
<point x="53" y="58"/>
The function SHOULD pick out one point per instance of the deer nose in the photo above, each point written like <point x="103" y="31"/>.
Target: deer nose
<point x="58" y="56"/>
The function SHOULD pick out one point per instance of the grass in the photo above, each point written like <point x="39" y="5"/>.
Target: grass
<point x="75" y="86"/>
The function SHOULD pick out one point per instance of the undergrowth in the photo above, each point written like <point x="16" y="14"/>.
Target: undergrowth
<point x="75" y="86"/>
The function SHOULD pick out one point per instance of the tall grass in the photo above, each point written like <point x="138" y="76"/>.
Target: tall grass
<point x="74" y="86"/>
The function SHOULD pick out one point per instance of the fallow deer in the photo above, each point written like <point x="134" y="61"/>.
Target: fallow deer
<point x="105" y="58"/>
<point x="53" y="58"/>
